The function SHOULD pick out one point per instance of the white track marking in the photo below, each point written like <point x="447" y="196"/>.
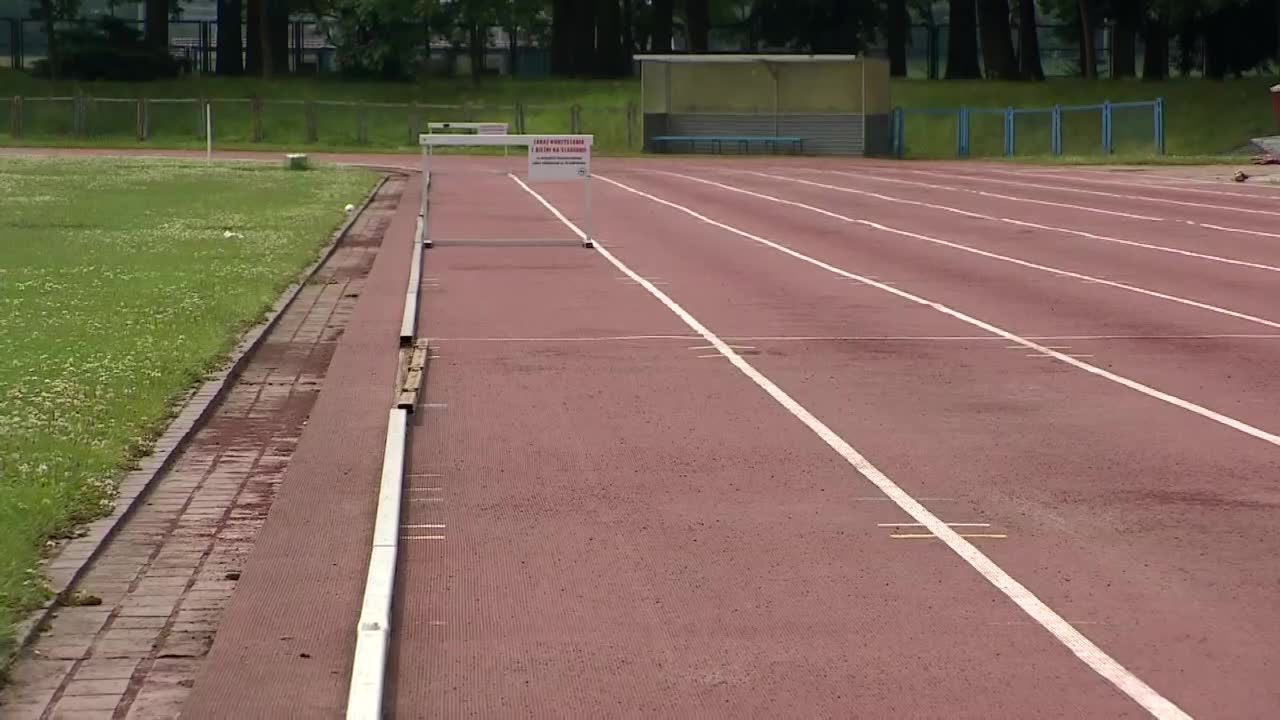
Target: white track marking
<point x="1011" y="198"/>
<point x="977" y="251"/>
<point x="373" y="633"/>
<point x="1126" y="183"/>
<point x="1242" y="231"/>
<point x="1036" y="609"/>
<point x="961" y="524"/>
<point x="873" y="338"/>
<point x="1103" y="193"/>
<point x="1021" y="223"/>
<point x="970" y="320"/>
<point x="1175" y="180"/>
<point x="929" y="536"/>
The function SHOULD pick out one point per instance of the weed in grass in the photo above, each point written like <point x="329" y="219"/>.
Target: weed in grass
<point x="120" y="289"/>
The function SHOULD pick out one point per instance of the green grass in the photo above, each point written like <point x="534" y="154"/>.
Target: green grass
<point x="1203" y="118"/>
<point x="119" y="292"/>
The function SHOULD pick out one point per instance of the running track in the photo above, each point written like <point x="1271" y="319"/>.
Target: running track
<point x="706" y="469"/>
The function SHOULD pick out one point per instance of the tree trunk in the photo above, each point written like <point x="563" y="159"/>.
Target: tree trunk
<point x="562" y="27"/>
<point x="253" y="37"/>
<point x="278" y="35"/>
<point x="1155" y="56"/>
<point x="1088" y="53"/>
<point x="698" y="24"/>
<point x="609" y="38"/>
<point x="156" y="32"/>
<point x="628" y="37"/>
<point x="997" y="43"/>
<point x="513" y="50"/>
<point x="1029" y="66"/>
<point x="584" y="38"/>
<point x="230" y="61"/>
<point x="897" y="26"/>
<point x="51" y="37"/>
<point x="1124" y="62"/>
<point x="663" y="10"/>
<point x="476" y="47"/>
<point x="962" y="41"/>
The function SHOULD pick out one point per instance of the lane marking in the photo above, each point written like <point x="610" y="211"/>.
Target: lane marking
<point x="424" y="475"/>
<point x="950" y="524"/>
<point x="1175" y="180"/>
<point x="1073" y="639"/>
<point x="421" y="537"/>
<point x="880" y="338"/>
<point x="970" y="320"/>
<point x="1167" y="201"/>
<point x="1011" y="198"/>
<point x="1130" y="184"/>
<point x="984" y="253"/>
<point x="1024" y="223"/>
<point x="426" y="500"/>
<point x="930" y="536"/>
<point x="712" y="347"/>
<point x="427" y="526"/>
<point x="424" y="489"/>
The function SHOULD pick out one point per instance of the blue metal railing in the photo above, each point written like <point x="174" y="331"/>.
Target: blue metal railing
<point x="1136" y="117"/>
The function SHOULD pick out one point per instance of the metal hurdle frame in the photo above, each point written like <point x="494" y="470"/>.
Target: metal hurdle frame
<point x="429" y="141"/>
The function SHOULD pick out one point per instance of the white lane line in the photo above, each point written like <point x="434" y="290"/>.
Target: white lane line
<point x="1242" y="231"/>
<point x="427" y="526"/>
<point x="1127" y="183"/>
<point x="710" y="347"/>
<point x="424" y="475"/>
<point x="1073" y="639"/>
<point x="950" y="524"/>
<point x="878" y="338"/>
<point x="1011" y="198"/>
<point x="1103" y="193"/>
<point x="984" y="253"/>
<point x="373" y="633"/>
<point x="1023" y="223"/>
<point x="421" y="537"/>
<point x="930" y="536"/>
<point x="970" y="320"/>
<point x="424" y="489"/>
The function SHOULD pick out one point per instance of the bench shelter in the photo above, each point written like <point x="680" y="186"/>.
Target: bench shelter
<point x="758" y="103"/>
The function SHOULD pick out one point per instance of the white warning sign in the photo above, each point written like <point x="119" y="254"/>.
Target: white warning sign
<point x="560" y="159"/>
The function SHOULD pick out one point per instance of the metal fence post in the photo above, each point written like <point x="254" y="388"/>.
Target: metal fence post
<point x="15" y="117"/>
<point x="1106" y="128"/>
<point x="962" y="132"/>
<point x="311" y="121"/>
<point x="255" y="111"/>
<point x="1055" y="130"/>
<point x="201" y="130"/>
<point x="575" y="119"/>
<point x="140" y="124"/>
<point x="1158" y="121"/>
<point x="520" y="117"/>
<point x="1009" y="139"/>
<point x="899" y="130"/>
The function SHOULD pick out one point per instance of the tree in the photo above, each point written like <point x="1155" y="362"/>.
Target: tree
<point x="562" y="36"/>
<point x="997" y="43"/>
<point x="584" y="37"/>
<point x="50" y="12"/>
<point x="814" y="26"/>
<point x="660" y="34"/>
<point x="962" y="41"/>
<point x="897" y="24"/>
<point x="1128" y="16"/>
<point x="253" y="37"/>
<point x="697" y="23"/>
<point x="608" y="38"/>
<point x="156" y="14"/>
<point x="229" y="60"/>
<point x="1155" y="41"/>
<point x="1028" y="42"/>
<point x="1088" y="53"/>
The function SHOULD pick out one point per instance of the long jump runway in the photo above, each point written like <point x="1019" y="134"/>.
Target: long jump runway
<point x="808" y="440"/>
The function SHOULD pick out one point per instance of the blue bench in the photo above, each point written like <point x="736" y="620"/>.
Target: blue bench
<point x="744" y="142"/>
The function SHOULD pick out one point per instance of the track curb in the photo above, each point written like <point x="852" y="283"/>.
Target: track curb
<point x="69" y="564"/>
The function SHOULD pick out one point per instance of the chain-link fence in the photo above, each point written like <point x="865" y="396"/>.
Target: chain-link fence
<point x="1132" y="128"/>
<point x="327" y="123"/>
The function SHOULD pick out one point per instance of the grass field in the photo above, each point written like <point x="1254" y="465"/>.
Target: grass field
<point x="1203" y="118"/>
<point x="118" y="291"/>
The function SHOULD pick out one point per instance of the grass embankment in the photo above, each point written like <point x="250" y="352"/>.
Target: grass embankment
<point x="1202" y="118"/>
<point x="118" y="292"/>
